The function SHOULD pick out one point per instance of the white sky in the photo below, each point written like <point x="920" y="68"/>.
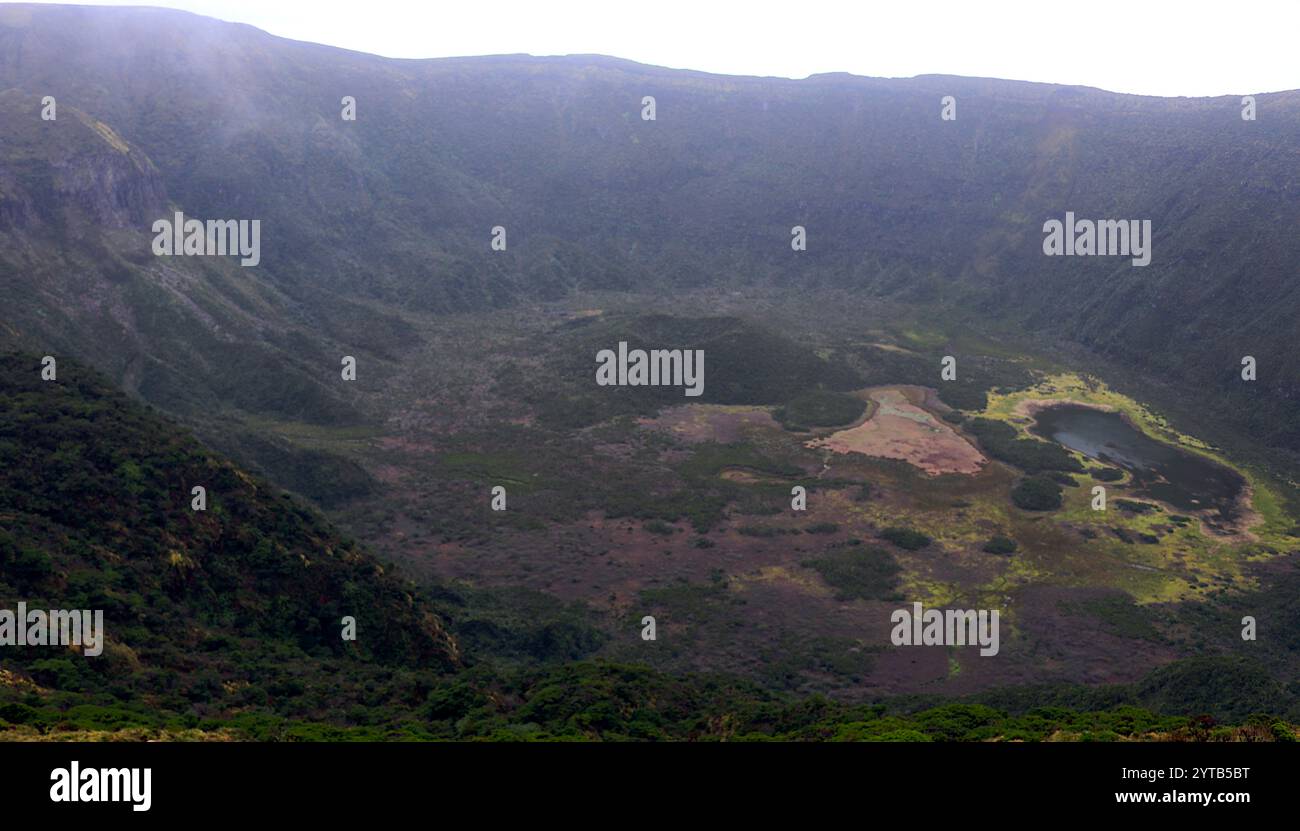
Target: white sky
<point x="1153" y="47"/>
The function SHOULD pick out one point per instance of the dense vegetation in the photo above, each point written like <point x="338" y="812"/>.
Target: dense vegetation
<point x="744" y="364"/>
<point x="819" y="408"/>
<point x="1030" y="455"/>
<point x="620" y="702"/>
<point x="228" y="621"/>
<point x="246" y="596"/>
<point x="858" y="571"/>
<point x="906" y="538"/>
<point x="1000" y="544"/>
<point x="223" y="623"/>
<point x="1037" y="493"/>
<point x="382" y="222"/>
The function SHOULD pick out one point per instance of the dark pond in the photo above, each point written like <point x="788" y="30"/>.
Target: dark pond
<point x="1160" y="471"/>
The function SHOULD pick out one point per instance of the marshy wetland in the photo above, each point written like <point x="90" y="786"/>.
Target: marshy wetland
<point x="632" y="502"/>
<point x="1183" y="480"/>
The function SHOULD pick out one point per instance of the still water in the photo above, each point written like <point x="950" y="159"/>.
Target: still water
<point x="1160" y="471"/>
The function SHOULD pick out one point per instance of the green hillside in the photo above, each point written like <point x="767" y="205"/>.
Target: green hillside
<point x="236" y="606"/>
<point x="770" y="524"/>
<point x="224" y="624"/>
<point x="396" y="208"/>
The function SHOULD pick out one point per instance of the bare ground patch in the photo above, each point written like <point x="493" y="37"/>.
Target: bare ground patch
<point x="900" y="429"/>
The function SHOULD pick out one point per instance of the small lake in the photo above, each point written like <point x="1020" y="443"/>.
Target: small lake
<point x="1160" y="471"/>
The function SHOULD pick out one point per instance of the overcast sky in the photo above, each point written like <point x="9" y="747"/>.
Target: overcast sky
<point x="1153" y="47"/>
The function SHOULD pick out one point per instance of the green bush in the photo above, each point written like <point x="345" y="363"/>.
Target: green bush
<point x="1000" y="545"/>
<point x="819" y="408"/>
<point x="822" y="528"/>
<point x="906" y="538"/>
<point x="1106" y="474"/>
<point x="1037" y="493"/>
<point x="765" y="531"/>
<point x="1031" y="455"/>
<point x="867" y="573"/>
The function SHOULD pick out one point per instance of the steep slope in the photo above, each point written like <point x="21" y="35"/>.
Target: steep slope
<point x="397" y="207"/>
<point x="197" y="336"/>
<point x="237" y="605"/>
<point x="78" y="203"/>
<point x="225" y="623"/>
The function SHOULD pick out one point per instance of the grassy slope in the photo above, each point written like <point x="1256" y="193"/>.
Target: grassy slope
<point x="235" y="607"/>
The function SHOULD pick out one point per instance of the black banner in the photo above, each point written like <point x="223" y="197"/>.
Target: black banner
<point x="336" y="781"/>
